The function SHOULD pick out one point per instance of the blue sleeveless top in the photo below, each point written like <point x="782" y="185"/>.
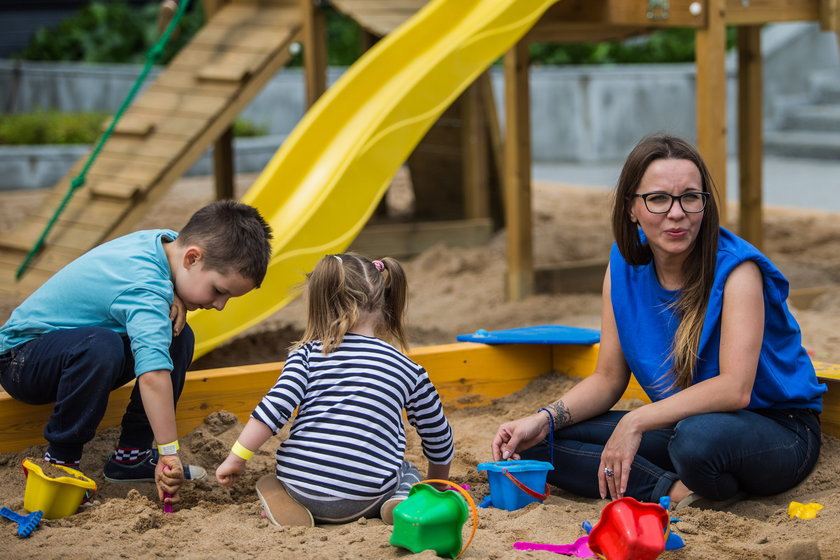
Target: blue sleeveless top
<point x="785" y="377"/>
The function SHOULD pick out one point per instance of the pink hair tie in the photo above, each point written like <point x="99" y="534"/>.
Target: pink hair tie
<point x="380" y="266"/>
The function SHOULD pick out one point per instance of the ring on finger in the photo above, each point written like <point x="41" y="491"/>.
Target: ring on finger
<point x="608" y="472"/>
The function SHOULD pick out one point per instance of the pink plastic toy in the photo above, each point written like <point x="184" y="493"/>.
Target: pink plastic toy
<point x="167" y="508"/>
<point x="578" y="549"/>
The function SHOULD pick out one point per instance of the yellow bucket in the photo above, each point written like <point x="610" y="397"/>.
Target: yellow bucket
<point x="56" y="497"/>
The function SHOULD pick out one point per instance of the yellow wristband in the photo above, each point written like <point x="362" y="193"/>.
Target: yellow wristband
<point x="169" y="448"/>
<point x="241" y="451"/>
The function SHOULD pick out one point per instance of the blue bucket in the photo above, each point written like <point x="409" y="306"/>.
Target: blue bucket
<point x="515" y="484"/>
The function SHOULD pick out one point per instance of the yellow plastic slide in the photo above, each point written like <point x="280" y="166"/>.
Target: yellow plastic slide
<point x="328" y="177"/>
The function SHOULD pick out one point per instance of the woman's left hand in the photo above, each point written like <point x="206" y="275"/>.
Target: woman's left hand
<point x="617" y="459"/>
<point x="178" y="315"/>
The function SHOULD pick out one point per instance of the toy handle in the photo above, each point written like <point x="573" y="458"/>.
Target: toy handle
<point x="469" y="501"/>
<point x="533" y="493"/>
<point x="167" y="508"/>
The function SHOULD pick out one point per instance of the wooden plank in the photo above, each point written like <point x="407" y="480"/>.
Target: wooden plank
<point x="475" y="150"/>
<point x="251" y="38"/>
<point x="223" y="73"/>
<point x="710" y="94"/>
<point x="223" y="168"/>
<point x="152" y="146"/>
<point x="756" y="12"/>
<point x="131" y="125"/>
<point x="584" y="276"/>
<point x="184" y="102"/>
<point x="314" y="51"/>
<point x="830" y="16"/>
<point x="564" y="32"/>
<point x="170" y="124"/>
<point x="628" y="13"/>
<point x="750" y="135"/>
<point x="84" y="209"/>
<point x="517" y="177"/>
<point x="198" y="56"/>
<point x="233" y="15"/>
<point x="216" y="84"/>
<point x="409" y="239"/>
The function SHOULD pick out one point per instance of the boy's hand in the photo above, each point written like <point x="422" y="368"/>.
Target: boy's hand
<point x="178" y="315"/>
<point x="230" y="469"/>
<point x="169" y="480"/>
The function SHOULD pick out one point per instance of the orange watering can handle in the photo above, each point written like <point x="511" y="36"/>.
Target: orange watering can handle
<point x="469" y="501"/>
<point x="533" y="493"/>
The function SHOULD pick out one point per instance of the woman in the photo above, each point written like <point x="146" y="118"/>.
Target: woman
<point x="698" y="315"/>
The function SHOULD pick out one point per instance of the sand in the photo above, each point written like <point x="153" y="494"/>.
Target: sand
<point x="453" y="291"/>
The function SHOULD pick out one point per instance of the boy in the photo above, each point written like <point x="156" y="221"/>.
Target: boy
<point x="104" y="319"/>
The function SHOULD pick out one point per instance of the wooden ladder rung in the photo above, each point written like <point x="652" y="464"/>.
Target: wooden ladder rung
<point x="132" y="125"/>
<point x="121" y="191"/>
<point x="223" y="73"/>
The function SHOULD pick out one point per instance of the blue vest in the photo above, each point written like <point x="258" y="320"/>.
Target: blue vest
<point x="785" y="377"/>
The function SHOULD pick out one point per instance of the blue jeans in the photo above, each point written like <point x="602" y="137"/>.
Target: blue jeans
<point x="77" y="369"/>
<point x="760" y="452"/>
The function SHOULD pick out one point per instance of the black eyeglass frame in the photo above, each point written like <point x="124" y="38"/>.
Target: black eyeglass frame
<point x="704" y="195"/>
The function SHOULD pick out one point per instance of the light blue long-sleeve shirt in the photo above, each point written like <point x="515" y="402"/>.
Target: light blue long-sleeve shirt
<point x="124" y="285"/>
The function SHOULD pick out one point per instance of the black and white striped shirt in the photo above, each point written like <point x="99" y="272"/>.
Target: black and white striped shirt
<point x="348" y="439"/>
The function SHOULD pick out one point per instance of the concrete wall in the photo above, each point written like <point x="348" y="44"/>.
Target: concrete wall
<point x="579" y="114"/>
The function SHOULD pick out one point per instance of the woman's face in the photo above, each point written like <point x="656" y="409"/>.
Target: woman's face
<point x="673" y="233"/>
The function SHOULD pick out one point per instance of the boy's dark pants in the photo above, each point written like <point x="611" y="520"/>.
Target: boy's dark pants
<point x="77" y="369"/>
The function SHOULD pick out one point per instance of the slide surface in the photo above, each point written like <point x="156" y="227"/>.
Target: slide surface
<point x="326" y="180"/>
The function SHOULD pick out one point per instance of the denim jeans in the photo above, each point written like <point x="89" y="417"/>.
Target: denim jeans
<point x="77" y="369"/>
<point x="760" y="452"/>
<point x="330" y="510"/>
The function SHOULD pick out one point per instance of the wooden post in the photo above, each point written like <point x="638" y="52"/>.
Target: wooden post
<point x="474" y="153"/>
<point x="711" y="96"/>
<point x="750" y="149"/>
<point x="223" y="167"/>
<point x="314" y="50"/>
<point x="517" y="176"/>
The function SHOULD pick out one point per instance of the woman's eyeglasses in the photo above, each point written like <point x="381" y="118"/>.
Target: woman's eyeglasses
<point x="661" y="203"/>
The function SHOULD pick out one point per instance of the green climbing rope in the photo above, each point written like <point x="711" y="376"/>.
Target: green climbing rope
<point x="154" y="54"/>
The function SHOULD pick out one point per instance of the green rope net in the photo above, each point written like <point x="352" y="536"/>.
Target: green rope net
<point x="154" y="54"/>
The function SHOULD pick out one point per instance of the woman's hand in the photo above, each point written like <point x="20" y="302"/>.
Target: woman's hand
<point x="519" y="435"/>
<point x="617" y="458"/>
<point x="230" y="469"/>
<point x="178" y="315"/>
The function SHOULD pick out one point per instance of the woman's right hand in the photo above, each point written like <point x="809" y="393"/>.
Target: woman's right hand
<point x="519" y="435"/>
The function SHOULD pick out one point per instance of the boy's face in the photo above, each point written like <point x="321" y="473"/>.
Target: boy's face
<point x="204" y="288"/>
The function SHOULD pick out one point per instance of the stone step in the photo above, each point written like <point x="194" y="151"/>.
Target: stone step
<point x="826" y="87"/>
<point x="807" y="144"/>
<point x="814" y="117"/>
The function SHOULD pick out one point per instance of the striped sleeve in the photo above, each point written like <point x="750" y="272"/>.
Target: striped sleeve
<point x="277" y="406"/>
<point x="425" y="413"/>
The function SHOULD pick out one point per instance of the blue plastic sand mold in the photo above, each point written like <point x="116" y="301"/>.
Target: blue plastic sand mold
<point x="542" y="334"/>
<point x="26" y="523"/>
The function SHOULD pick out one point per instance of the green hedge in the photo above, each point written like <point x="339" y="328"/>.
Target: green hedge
<point x="52" y="127"/>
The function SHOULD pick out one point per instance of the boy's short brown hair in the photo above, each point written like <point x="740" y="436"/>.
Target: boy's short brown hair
<point x="233" y="235"/>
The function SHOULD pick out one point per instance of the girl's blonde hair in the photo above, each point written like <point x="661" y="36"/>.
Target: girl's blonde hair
<point x="699" y="267"/>
<point x="342" y="287"/>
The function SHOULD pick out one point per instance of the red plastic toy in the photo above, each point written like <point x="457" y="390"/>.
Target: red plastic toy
<point x="630" y="530"/>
